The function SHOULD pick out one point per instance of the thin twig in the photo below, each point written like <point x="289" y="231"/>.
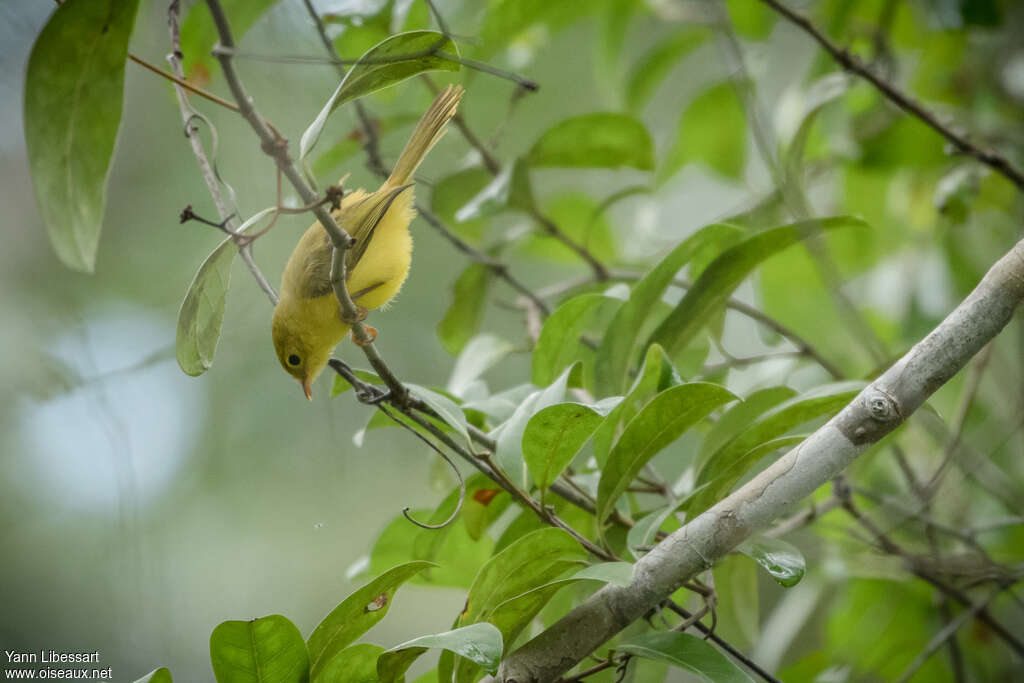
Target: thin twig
<point x="181" y="82"/>
<point x="851" y="63"/>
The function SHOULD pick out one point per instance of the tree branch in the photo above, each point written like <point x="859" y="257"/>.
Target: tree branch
<point x="848" y="61"/>
<point x="875" y="412"/>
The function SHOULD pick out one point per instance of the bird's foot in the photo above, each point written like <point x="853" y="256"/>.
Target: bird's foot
<point x="360" y="316"/>
<point x="371" y="331"/>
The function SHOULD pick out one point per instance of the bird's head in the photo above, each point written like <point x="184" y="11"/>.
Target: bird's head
<point x="299" y="354"/>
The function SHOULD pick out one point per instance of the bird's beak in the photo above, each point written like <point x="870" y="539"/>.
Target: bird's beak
<point x="307" y="388"/>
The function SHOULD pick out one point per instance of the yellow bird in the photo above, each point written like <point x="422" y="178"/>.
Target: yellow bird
<point x="307" y="324"/>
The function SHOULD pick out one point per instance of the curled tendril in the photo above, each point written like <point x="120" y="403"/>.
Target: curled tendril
<point x="462" y="482"/>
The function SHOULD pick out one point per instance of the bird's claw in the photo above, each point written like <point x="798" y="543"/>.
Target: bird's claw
<point x="360" y="316"/>
<point x="371" y="331"/>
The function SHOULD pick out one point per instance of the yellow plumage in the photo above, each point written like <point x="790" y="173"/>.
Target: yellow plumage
<point x="306" y="325"/>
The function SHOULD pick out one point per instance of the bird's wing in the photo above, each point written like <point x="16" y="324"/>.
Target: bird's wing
<point x="362" y="219"/>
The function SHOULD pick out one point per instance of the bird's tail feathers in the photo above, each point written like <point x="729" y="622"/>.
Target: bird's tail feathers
<point x="428" y="131"/>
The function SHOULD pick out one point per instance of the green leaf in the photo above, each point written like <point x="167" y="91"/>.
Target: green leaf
<point x="658" y="424"/>
<point x="619" y="345"/>
<point x="552" y="438"/>
<point x="656" y="374"/>
<point x="739" y="619"/>
<point x="462" y="319"/>
<point x="199" y="35"/>
<point x="509" y="434"/>
<point x="741" y="416"/>
<point x="479" y="643"/>
<point x="389" y="62"/>
<point x="342" y="151"/>
<point x="559" y="344"/>
<point x="265" y="650"/>
<point x="354" y="664"/>
<point x="687" y="652"/>
<point x="599" y="140"/>
<point x="531" y="561"/>
<point x="714" y="286"/>
<point x="782" y="560"/>
<point x="712" y="130"/>
<point x="730" y="462"/>
<point x="581" y="218"/>
<point x="752" y="20"/>
<point x="161" y="675"/>
<point x="356" y="614"/>
<point x="447" y="409"/>
<point x="652" y="68"/>
<point x="74" y="89"/>
<point x="202" y="311"/>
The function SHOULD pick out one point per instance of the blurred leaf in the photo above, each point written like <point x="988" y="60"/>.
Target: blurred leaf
<point x="581" y="218"/>
<point x="736" y="583"/>
<point x="728" y="464"/>
<point x="615" y="573"/>
<point x="202" y="311"/>
<point x="447" y="409"/>
<point x="716" y="284"/>
<point x="552" y="438"/>
<point x="453" y="192"/>
<point x="687" y="652"/>
<point x="657" y="63"/>
<point x="656" y="375"/>
<point x="752" y="20"/>
<point x="74" y="89"/>
<point x="782" y="560"/>
<point x="479" y="643"/>
<point x="505" y="20"/>
<point x="509" y="434"/>
<point x="619" y="345"/>
<point x="821" y="93"/>
<point x="980" y="12"/>
<point x="356" y="614"/>
<point x="484" y="505"/>
<point x="659" y="423"/>
<point x="599" y="140"/>
<point x="559" y="344"/>
<point x="462" y="319"/>
<point x="362" y="30"/>
<point x="389" y="62"/>
<point x="341" y="385"/>
<point x="354" y="664"/>
<point x="161" y="675"/>
<point x="905" y="142"/>
<point x="265" y="650"/>
<point x="478" y="356"/>
<point x="510" y="189"/>
<point x="713" y="130"/>
<point x="199" y="35"/>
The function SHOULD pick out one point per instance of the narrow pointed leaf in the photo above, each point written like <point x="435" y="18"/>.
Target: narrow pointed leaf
<point x="782" y="560"/>
<point x="357" y="613"/>
<point x="202" y="311"/>
<point x="389" y="62"/>
<point x="599" y="140"/>
<point x="711" y="290"/>
<point x="265" y="650"/>
<point x="619" y="345"/>
<point x="559" y="343"/>
<point x="657" y="63"/>
<point x="74" y="89"/>
<point x="688" y="652"/>
<point x="658" y="424"/>
<point x="553" y="436"/>
<point x="462" y="319"/>
<point x="740" y="416"/>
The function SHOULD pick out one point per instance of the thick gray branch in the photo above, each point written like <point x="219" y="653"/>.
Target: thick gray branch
<point x="875" y="412"/>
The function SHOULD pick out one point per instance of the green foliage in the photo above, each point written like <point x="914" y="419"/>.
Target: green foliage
<point x="267" y="649"/>
<point x="712" y="130"/>
<point x="161" y="675"/>
<point x="74" y="88"/>
<point x="392" y="61"/>
<point x="553" y="437"/>
<point x="477" y="643"/>
<point x="199" y="35"/>
<point x="687" y="652"/>
<point x="599" y="140"/>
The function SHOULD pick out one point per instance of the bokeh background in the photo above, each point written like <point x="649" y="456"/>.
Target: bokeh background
<point x="140" y="507"/>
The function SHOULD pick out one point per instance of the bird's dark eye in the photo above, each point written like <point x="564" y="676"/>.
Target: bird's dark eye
<point x="294" y="360"/>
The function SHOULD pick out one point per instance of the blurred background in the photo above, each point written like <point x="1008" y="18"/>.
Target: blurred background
<point x="140" y="507"/>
